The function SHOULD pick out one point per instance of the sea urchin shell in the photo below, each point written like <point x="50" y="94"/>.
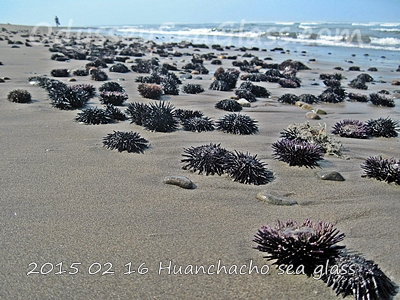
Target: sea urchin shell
<point x="307" y="245"/>
<point x="125" y="141"/>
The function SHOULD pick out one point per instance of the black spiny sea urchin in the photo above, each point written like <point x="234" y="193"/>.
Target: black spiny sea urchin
<point x="159" y="117"/>
<point x="198" y="124"/>
<point x="381" y="100"/>
<point x="308" y="244"/>
<point x="237" y="124"/>
<point x="192" y="88"/>
<point x="354" y="275"/>
<point x="183" y="114"/>
<point x="383" y="127"/>
<point x="351" y="129"/>
<point x="208" y="159"/>
<point x="93" y="116"/>
<point x="19" y="96"/>
<point x="114" y="98"/>
<point x="246" y="168"/>
<point x="297" y="152"/>
<point x="228" y="105"/>
<point x="125" y="141"/>
<point x="288" y="98"/>
<point x="382" y="169"/>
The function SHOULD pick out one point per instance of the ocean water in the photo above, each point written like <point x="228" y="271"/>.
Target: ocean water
<point x="374" y="39"/>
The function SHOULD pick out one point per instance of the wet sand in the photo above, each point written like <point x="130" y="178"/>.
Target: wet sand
<point x="69" y="203"/>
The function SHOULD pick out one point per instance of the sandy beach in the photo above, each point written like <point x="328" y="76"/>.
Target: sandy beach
<point x="71" y="204"/>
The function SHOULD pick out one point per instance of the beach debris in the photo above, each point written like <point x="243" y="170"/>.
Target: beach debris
<point x="383" y="127"/>
<point x="237" y="124"/>
<point x="351" y="129"/>
<point x="228" y="105"/>
<point x="247" y="169"/>
<point x="358" y="277"/>
<point x="297" y="153"/>
<point x="150" y="90"/>
<point x="314" y="134"/>
<point x="208" y="159"/>
<point x="94" y="116"/>
<point x="19" y="96"/>
<point x="180" y="181"/>
<point x="125" y="141"/>
<point x="192" y="88"/>
<point x="381" y="100"/>
<point x="198" y="124"/>
<point x="331" y="175"/>
<point x="306" y="245"/>
<point x="383" y="169"/>
<point x="274" y="198"/>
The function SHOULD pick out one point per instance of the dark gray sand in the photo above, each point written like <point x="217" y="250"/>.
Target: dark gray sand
<point x="94" y="214"/>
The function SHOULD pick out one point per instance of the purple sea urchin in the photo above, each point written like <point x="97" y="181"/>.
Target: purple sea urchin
<point x="237" y="124"/>
<point x="308" y="98"/>
<point x="383" y="127"/>
<point x="358" y="97"/>
<point x="198" y="124"/>
<point x="297" y="152"/>
<point x="19" y="96"/>
<point x="125" y="141"/>
<point x="93" y="116"/>
<point x="351" y="129"/>
<point x="219" y="85"/>
<point x="306" y="245"/>
<point x="382" y="169"/>
<point x="354" y="275"/>
<point x="137" y="112"/>
<point x="208" y="159"/>
<point x="60" y="72"/>
<point x="119" y="68"/>
<point x="114" y="112"/>
<point x="228" y="105"/>
<point x="256" y="90"/>
<point x="245" y="94"/>
<point x="183" y="114"/>
<point x="68" y="97"/>
<point x="247" y="169"/>
<point x="99" y="75"/>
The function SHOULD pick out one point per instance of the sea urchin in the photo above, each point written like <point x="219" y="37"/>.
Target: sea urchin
<point x="125" y="141"/>
<point x="237" y="124"/>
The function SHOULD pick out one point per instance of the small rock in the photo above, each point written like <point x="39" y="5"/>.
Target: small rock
<point x="71" y="79"/>
<point x="198" y="78"/>
<point x="320" y="111"/>
<point x="121" y="79"/>
<point x="313" y="116"/>
<point x="395" y="82"/>
<point x="195" y="72"/>
<point x="2" y="80"/>
<point x="306" y="106"/>
<point x="332" y="175"/>
<point x="275" y="198"/>
<point x="180" y="181"/>
<point x="6" y="78"/>
<point x="244" y="103"/>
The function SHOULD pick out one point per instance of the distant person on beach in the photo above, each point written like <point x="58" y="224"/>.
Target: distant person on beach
<point x="57" y="21"/>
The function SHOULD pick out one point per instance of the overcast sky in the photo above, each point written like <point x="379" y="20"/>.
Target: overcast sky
<point x="131" y="12"/>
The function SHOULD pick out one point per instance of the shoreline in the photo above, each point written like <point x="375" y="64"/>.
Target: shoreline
<point x="68" y="199"/>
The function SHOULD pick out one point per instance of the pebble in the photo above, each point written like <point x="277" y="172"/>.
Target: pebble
<point x="195" y="72"/>
<point x="121" y="79"/>
<point x="275" y="198"/>
<point x="395" y="82"/>
<point x="313" y="116"/>
<point x="306" y="106"/>
<point x="180" y="181"/>
<point x="2" y="80"/>
<point x="320" y="111"/>
<point x="332" y="175"/>
<point x="71" y="79"/>
<point x="186" y="76"/>
<point x="244" y="103"/>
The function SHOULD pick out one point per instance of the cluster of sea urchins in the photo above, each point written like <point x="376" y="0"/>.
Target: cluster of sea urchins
<point x="354" y="275"/>
<point x="297" y="152"/>
<point x="198" y="124"/>
<point x="350" y="129"/>
<point x="125" y="141"/>
<point x="305" y="245"/>
<point x="237" y="124"/>
<point x="241" y="167"/>
<point x="383" y="169"/>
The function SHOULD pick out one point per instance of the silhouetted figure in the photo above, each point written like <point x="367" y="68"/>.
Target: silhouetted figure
<point x="57" y="21"/>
